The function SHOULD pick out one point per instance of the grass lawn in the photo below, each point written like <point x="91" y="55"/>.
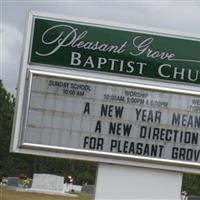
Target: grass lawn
<point x="8" y="194"/>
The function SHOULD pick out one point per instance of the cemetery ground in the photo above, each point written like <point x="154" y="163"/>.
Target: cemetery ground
<point x="10" y="194"/>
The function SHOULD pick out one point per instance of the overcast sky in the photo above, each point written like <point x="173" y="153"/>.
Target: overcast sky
<point x="182" y="16"/>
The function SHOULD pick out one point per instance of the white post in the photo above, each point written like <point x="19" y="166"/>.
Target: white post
<point x="124" y="182"/>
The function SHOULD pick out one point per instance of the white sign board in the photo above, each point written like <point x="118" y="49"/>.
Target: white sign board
<point x="112" y="119"/>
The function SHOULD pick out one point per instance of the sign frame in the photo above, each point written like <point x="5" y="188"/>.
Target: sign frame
<point x="27" y="70"/>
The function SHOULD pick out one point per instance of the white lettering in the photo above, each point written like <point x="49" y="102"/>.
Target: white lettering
<point x="101" y="61"/>
<point x="141" y="65"/>
<point x="190" y="75"/>
<point x="130" y="66"/>
<point x="181" y="72"/>
<point x="75" y="59"/>
<point x="61" y="40"/>
<point x="161" y="70"/>
<point x="89" y="62"/>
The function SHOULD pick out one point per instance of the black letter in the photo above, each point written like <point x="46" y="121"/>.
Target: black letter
<point x="85" y="141"/>
<point x="98" y="127"/>
<point x="87" y="108"/>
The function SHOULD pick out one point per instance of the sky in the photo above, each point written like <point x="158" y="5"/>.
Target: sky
<point x="176" y="15"/>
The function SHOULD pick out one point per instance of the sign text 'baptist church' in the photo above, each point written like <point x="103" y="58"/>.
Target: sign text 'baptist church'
<point x="106" y="49"/>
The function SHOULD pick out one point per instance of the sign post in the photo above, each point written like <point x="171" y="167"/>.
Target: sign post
<point x="123" y="182"/>
<point x="128" y="99"/>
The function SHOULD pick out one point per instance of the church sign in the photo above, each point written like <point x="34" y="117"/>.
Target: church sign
<point x="108" y="94"/>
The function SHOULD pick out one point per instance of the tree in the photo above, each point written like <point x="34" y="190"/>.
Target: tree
<point x="7" y="102"/>
<point x="191" y="184"/>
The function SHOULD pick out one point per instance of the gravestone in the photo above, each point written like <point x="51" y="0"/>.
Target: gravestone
<point x="48" y="182"/>
<point x="70" y="187"/>
<point x="88" y="189"/>
<point x="13" y="181"/>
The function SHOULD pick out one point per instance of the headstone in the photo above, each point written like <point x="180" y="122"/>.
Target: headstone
<point x="77" y="188"/>
<point x="88" y="189"/>
<point x="70" y="187"/>
<point x="48" y="182"/>
<point x="13" y="181"/>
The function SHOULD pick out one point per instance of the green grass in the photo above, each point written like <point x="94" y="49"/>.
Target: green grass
<point x="8" y="194"/>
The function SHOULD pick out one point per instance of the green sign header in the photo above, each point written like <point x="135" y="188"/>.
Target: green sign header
<point x="115" y="50"/>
